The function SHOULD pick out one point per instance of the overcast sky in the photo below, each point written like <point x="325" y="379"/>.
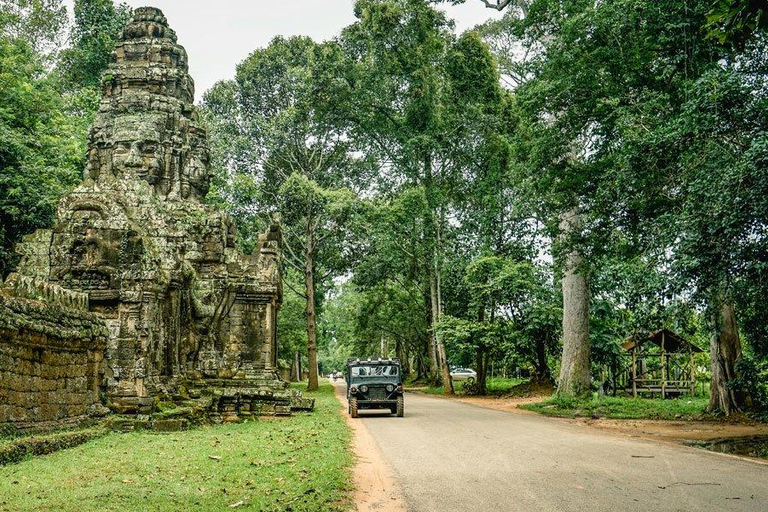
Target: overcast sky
<point x="220" y="34"/>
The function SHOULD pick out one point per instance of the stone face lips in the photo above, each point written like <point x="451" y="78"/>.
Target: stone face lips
<point x="183" y="308"/>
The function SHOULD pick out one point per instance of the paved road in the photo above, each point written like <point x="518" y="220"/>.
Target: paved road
<point x="450" y="456"/>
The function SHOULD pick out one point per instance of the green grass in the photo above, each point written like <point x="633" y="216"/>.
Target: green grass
<point x="621" y="408"/>
<point x="297" y="463"/>
<point x="495" y="386"/>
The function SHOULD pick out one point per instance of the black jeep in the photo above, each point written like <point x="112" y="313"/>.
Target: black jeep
<point x="374" y="384"/>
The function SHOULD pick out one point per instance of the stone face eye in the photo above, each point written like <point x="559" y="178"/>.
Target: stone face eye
<point x="121" y="148"/>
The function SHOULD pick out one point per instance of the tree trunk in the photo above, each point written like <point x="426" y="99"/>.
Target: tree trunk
<point x="482" y="355"/>
<point x="543" y="375"/>
<point x="725" y="350"/>
<point x="442" y="360"/>
<point x="401" y="354"/>
<point x="575" y="366"/>
<point x="431" y="341"/>
<point x="482" y="370"/>
<point x="309" y="277"/>
<point x="422" y="369"/>
<point x="296" y="368"/>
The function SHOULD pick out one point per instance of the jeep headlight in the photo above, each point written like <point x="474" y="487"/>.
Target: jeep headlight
<point x="390" y="388"/>
<point x="364" y="388"/>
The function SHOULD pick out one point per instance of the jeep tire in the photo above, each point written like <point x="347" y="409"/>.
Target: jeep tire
<point x="400" y="406"/>
<point x="353" y="406"/>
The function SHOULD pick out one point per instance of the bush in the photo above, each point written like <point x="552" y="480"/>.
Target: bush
<point x="753" y="382"/>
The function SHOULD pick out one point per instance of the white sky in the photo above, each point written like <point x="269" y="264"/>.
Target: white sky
<point x="220" y="34"/>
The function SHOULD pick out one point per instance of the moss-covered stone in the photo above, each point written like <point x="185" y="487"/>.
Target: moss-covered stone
<point x="17" y="450"/>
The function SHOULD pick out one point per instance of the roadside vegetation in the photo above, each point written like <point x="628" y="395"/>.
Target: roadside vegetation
<point x="685" y="408"/>
<point x="297" y="463"/>
<point x="496" y="386"/>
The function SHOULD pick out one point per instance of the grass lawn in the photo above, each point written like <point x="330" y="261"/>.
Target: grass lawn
<point x="495" y="385"/>
<point x="297" y="463"/>
<point x="621" y="408"/>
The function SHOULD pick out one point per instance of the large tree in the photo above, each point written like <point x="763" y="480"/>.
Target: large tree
<point x="280" y="151"/>
<point x="41" y="153"/>
<point x="418" y="111"/>
<point x="632" y="112"/>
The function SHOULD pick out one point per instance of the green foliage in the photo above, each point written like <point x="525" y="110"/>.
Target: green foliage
<point x="275" y="150"/>
<point x="620" y="408"/>
<point x="753" y="380"/>
<point x="496" y="386"/>
<point x="41" y="23"/>
<point x="97" y="25"/>
<point x="735" y="21"/>
<point x="41" y="155"/>
<point x="515" y="314"/>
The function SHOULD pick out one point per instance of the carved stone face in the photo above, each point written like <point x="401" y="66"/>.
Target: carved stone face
<point x="195" y="179"/>
<point x="137" y="148"/>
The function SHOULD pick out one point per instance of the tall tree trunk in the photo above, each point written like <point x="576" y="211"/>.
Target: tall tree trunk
<point x="431" y="341"/>
<point x="481" y="361"/>
<point x="309" y="278"/>
<point x="434" y="246"/>
<point x="296" y="367"/>
<point x="575" y="366"/>
<point x="402" y="355"/>
<point x="725" y="350"/>
<point x="543" y="375"/>
<point x="442" y="359"/>
<point x="422" y="369"/>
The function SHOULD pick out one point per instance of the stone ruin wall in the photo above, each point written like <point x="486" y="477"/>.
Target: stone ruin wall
<point x="51" y="351"/>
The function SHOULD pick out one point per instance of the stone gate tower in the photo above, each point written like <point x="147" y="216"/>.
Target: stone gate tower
<point x="184" y="309"/>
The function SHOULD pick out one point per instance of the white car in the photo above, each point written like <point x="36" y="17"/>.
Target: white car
<point x="463" y="374"/>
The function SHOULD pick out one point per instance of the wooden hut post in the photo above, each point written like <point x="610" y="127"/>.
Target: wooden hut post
<point x="663" y="366"/>
<point x="634" y="371"/>
<point x="692" y="373"/>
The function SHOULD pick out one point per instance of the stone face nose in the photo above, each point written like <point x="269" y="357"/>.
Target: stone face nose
<point x="134" y="159"/>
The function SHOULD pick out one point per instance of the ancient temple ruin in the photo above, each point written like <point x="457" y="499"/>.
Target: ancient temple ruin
<point x="188" y="316"/>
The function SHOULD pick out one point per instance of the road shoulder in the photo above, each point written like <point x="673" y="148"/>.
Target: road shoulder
<point x="375" y="483"/>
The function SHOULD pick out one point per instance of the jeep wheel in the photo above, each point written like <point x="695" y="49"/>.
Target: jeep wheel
<point x="353" y="407"/>
<point x="400" y="406"/>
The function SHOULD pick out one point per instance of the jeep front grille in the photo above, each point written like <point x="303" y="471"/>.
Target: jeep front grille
<point x="378" y="394"/>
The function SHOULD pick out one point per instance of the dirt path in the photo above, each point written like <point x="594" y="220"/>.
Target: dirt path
<point x="376" y="487"/>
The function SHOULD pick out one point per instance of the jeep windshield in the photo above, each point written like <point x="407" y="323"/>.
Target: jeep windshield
<point x="374" y="370"/>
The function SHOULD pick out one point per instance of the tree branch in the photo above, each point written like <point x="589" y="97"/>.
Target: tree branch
<point x="294" y="290"/>
<point x="499" y="5"/>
